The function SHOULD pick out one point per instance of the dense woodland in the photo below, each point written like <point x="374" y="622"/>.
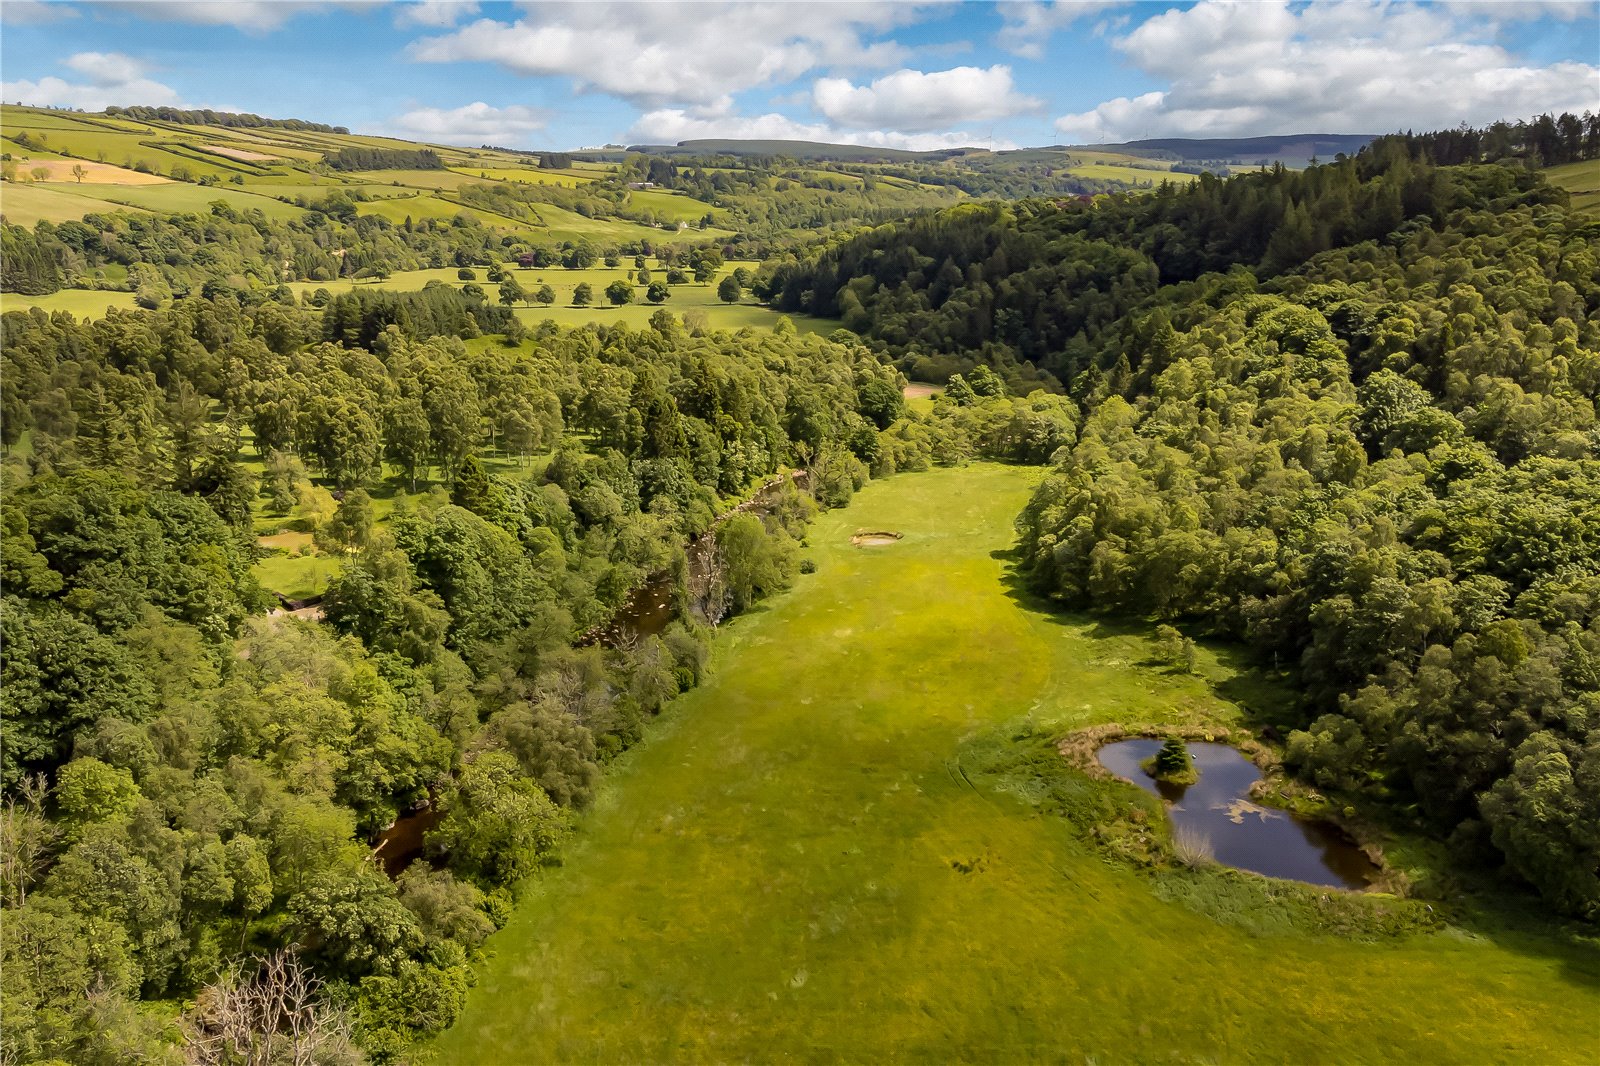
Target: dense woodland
<point x="1345" y="417"/>
<point x="189" y="781"/>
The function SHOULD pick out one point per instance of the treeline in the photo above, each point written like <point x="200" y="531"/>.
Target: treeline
<point x="166" y="257"/>
<point x="1547" y="141"/>
<point x="190" y="785"/>
<point x="1042" y="290"/>
<point x="1381" y="473"/>
<point x="384" y="159"/>
<point x="208" y="117"/>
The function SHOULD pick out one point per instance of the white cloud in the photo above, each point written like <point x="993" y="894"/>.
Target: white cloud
<point x="1028" y="24"/>
<point x="915" y="102"/>
<point x="251" y="16"/>
<point x="1264" y="68"/>
<point x="1523" y="10"/>
<point x="105" y="68"/>
<point x="472" y="125"/>
<point x="35" y="12"/>
<point x="436" y="14"/>
<point x="113" y="78"/>
<point x="671" y="125"/>
<point x="684" y="53"/>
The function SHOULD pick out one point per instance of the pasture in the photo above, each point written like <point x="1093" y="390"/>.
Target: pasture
<point x="839" y="849"/>
<point x="23" y="204"/>
<point x="81" y="303"/>
<point x="183" y="197"/>
<point x="1582" y="181"/>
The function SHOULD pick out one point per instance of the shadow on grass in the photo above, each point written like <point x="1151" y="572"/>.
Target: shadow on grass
<point x="1480" y="901"/>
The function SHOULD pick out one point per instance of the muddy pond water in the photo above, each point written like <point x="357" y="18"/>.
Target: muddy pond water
<point x="1242" y="834"/>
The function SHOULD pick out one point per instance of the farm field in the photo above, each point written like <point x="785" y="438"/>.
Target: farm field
<point x="526" y="175"/>
<point x="83" y="303"/>
<point x="25" y="205"/>
<point x="1582" y="180"/>
<point x="824" y="854"/>
<point x="163" y="198"/>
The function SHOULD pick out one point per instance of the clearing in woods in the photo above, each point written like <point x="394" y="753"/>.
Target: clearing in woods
<point x="806" y="859"/>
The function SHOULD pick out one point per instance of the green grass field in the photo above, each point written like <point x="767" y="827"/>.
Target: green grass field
<point x="173" y="197"/>
<point x="83" y="303"/>
<point x="776" y="872"/>
<point x="25" y="205"/>
<point x="1582" y="180"/>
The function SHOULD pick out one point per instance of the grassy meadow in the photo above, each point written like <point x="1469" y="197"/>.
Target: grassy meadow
<point x="821" y="855"/>
<point x="1582" y="180"/>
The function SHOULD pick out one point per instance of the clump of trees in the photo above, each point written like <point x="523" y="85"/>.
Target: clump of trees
<point x="355" y="158"/>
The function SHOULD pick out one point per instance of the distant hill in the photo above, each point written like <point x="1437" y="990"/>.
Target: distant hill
<point x="1294" y="149"/>
<point x="845" y="153"/>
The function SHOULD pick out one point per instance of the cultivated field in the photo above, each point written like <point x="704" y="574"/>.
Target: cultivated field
<point x="1582" y="180"/>
<point x="842" y="848"/>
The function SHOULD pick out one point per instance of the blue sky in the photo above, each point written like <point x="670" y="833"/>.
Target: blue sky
<point x="542" y="75"/>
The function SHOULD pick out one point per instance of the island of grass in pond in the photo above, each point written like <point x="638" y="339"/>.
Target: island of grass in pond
<point x="1217" y="809"/>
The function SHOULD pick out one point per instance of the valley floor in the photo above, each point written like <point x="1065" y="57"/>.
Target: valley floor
<point x="776" y="873"/>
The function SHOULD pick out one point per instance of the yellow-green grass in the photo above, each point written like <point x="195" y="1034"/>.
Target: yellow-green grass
<point x="17" y="151"/>
<point x="670" y="206"/>
<point x="563" y="225"/>
<point x="61" y="171"/>
<point x="296" y="577"/>
<point x="686" y="297"/>
<point x="797" y="864"/>
<point x="415" y="179"/>
<point x="1582" y="181"/>
<point x="1132" y="175"/>
<point x="185" y="197"/>
<point x="637" y="315"/>
<point x="24" y="204"/>
<point x="525" y="175"/>
<point x="129" y="149"/>
<point x="919" y="396"/>
<point x="83" y="303"/>
<point x="417" y="208"/>
<point x="15" y="118"/>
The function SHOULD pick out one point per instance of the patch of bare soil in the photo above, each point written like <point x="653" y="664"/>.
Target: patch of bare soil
<point x="873" y="538"/>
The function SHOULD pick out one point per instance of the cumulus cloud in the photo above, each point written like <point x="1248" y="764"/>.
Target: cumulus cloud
<point x="113" y="78"/>
<point x="35" y="12"/>
<point x="1264" y="68"/>
<point x="914" y="102"/>
<point x="1027" y="25"/>
<point x="251" y="16"/>
<point x="476" y="123"/>
<point x="685" y="54"/>
<point x="1523" y="10"/>
<point x="671" y="125"/>
<point x="435" y="14"/>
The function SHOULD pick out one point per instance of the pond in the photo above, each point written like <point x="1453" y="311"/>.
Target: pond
<point x="1243" y="834"/>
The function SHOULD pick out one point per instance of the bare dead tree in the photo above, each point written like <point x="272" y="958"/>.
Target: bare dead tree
<point x="709" y="595"/>
<point x="27" y="839"/>
<point x="268" y="1011"/>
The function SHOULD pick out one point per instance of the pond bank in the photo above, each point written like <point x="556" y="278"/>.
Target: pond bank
<point x="1081" y="749"/>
